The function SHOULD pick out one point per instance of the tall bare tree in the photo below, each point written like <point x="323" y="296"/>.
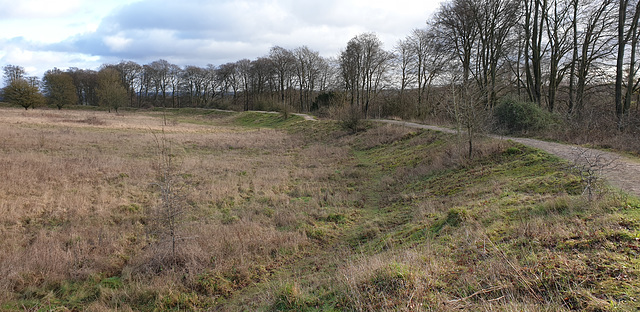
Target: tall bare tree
<point x="129" y="74"/>
<point x="260" y="75"/>
<point x="243" y="68"/>
<point x="594" y="45"/>
<point x="420" y="58"/>
<point x="308" y="68"/>
<point x="283" y="62"/>
<point x="455" y="26"/>
<point x="419" y="44"/>
<point x="86" y="82"/>
<point x="403" y="64"/>
<point x="194" y="81"/>
<point x="494" y="20"/>
<point x="364" y="65"/>
<point x="535" y="12"/>
<point x="161" y="75"/>
<point x="559" y="27"/>
<point x="627" y="33"/>
<point x="173" y="82"/>
<point x="228" y="78"/>
<point x="211" y="84"/>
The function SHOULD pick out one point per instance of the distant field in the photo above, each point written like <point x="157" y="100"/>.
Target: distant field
<point x="293" y="215"/>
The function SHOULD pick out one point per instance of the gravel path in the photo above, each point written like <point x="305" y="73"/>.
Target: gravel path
<point x="621" y="171"/>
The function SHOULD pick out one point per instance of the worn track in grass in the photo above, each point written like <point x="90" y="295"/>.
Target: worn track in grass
<point x="621" y="171"/>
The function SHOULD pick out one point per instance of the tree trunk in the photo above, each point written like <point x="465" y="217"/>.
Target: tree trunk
<point x="632" y="62"/>
<point x="622" y="14"/>
<point x="574" y="59"/>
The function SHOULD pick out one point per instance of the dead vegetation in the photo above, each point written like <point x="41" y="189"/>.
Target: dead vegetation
<point x="77" y="190"/>
<point x="301" y="218"/>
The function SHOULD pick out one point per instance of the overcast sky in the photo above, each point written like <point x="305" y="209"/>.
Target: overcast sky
<point x="42" y="34"/>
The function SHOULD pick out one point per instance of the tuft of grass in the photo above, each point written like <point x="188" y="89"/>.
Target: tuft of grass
<point x="453" y="218"/>
<point x="289" y="298"/>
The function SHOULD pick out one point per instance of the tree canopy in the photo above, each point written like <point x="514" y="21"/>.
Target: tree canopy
<point x="111" y="92"/>
<point x="23" y="93"/>
<point x="59" y="88"/>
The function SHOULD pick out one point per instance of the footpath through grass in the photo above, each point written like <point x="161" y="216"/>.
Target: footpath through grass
<point x="388" y="219"/>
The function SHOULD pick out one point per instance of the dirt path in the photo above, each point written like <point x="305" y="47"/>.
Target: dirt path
<point x="622" y="172"/>
<point x="305" y="116"/>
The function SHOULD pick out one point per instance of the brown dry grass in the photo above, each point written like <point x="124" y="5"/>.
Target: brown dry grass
<point x="75" y="192"/>
<point x="388" y="219"/>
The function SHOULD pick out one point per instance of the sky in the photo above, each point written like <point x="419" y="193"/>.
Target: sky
<point x="44" y="34"/>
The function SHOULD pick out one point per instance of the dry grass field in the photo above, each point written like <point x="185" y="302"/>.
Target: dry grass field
<point x="77" y="196"/>
<point x="275" y="214"/>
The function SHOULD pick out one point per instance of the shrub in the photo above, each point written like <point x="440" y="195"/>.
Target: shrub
<point x="516" y="116"/>
<point x="351" y="119"/>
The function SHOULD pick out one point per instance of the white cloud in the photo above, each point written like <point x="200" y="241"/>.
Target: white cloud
<point x="32" y="9"/>
<point x="197" y="32"/>
<point x="117" y="43"/>
<point x="37" y="62"/>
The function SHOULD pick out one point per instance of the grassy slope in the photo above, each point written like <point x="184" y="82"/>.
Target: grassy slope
<point x="508" y="230"/>
<point x="398" y="220"/>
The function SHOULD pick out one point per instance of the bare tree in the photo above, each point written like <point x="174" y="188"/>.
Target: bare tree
<point x="243" y="68"/>
<point x="211" y="84"/>
<point x="283" y="62"/>
<point x="594" y="45"/>
<point x="173" y="81"/>
<point x="627" y="32"/>
<point x="161" y="76"/>
<point x="364" y="65"/>
<point x="195" y="83"/>
<point x="13" y="73"/>
<point x="350" y="63"/>
<point x="494" y="20"/>
<point x="167" y="216"/>
<point x="86" y="83"/>
<point x="129" y="74"/>
<point x="559" y="34"/>
<point x="454" y="25"/>
<point x="468" y="110"/>
<point x="419" y="43"/>
<point x="574" y="56"/>
<point x="420" y="58"/>
<point x="590" y="165"/>
<point x="420" y="46"/>
<point x="535" y="12"/>
<point x="261" y="78"/>
<point x="404" y="65"/>
<point x="228" y="78"/>
<point x="308" y="68"/>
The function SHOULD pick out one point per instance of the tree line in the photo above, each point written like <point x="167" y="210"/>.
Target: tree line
<point x="570" y="57"/>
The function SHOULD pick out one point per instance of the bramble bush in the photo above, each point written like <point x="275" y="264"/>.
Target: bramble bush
<point x="518" y="116"/>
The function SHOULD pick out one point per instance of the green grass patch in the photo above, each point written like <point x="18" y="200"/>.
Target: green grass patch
<point x="266" y="120"/>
